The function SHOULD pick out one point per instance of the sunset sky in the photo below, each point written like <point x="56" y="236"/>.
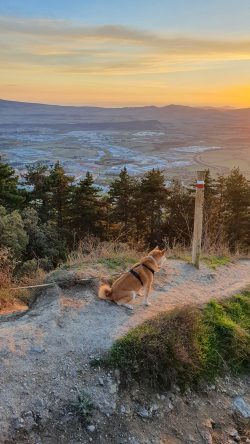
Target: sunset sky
<point x="119" y="53"/>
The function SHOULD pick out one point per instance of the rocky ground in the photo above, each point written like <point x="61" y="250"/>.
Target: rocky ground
<point x="45" y="366"/>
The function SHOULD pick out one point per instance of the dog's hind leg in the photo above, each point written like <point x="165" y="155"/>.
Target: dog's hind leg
<point x="127" y="296"/>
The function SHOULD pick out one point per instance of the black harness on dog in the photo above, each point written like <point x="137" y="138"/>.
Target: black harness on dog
<point x="135" y="274"/>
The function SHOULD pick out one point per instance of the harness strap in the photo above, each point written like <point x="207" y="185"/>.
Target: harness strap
<point x="149" y="268"/>
<point x="135" y="274"/>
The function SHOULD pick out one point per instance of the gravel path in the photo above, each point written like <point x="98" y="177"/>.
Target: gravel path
<point x="44" y="354"/>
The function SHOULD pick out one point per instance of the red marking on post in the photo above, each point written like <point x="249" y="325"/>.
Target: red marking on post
<point x="200" y="184"/>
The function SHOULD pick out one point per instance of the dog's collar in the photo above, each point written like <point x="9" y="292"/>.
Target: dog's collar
<point x="149" y="268"/>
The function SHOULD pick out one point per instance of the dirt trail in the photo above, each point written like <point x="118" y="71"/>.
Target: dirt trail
<point x="44" y="354"/>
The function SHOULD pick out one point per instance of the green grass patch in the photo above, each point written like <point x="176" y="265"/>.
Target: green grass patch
<point x="187" y="345"/>
<point x="214" y="262"/>
<point x="117" y="262"/>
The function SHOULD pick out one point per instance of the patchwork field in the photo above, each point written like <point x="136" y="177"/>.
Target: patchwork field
<point x="176" y="139"/>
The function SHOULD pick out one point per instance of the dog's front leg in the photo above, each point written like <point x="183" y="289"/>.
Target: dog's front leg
<point x="146" y="296"/>
<point x="140" y="292"/>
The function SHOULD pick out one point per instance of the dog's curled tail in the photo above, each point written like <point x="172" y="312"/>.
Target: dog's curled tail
<point x="104" y="291"/>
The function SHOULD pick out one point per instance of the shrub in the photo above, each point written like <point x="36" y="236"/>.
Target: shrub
<point x="186" y="345"/>
<point x="84" y="406"/>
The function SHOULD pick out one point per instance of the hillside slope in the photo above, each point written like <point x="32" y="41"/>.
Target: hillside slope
<point x="45" y="353"/>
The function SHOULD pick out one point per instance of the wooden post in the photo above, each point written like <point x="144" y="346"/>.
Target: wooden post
<point x="198" y="216"/>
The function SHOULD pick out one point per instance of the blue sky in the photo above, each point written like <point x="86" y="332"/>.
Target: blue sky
<point x="225" y="17"/>
<point x="119" y="53"/>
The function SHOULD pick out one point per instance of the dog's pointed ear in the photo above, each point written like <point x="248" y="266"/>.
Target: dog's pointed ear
<point x="164" y="250"/>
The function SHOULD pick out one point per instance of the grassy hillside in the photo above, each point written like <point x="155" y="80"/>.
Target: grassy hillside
<point x="188" y="344"/>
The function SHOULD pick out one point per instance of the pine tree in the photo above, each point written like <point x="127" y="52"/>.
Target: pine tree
<point x="10" y="195"/>
<point x="59" y="188"/>
<point x="210" y="210"/>
<point x="153" y="196"/>
<point x="36" y="179"/>
<point x="87" y="212"/>
<point x="236" y="199"/>
<point x="178" y="228"/>
<point x="121" y="194"/>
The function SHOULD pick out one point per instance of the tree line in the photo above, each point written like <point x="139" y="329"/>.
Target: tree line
<point x="45" y="213"/>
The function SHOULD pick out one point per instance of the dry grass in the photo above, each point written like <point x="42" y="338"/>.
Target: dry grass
<point x="12" y="300"/>
<point x="213" y="255"/>
<point x="98" y="259"/>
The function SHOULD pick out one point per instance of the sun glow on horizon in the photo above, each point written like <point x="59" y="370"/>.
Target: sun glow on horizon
<point x="70" y="63"/>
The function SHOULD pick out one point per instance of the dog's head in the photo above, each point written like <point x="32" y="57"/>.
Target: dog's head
<point x="158" y="255"/>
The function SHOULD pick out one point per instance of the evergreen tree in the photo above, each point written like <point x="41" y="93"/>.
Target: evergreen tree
<point x="121" y="194"/>
<point x="236" y="199"/>
<point x="87" y="212"/>
<point x="10" y="195"/>
<point x="153" y="196"/>
<point x="180" y="215"/>
<point x="59" y="188"/>
<point x="210" y="210"/>
<point x="36" y="179"/>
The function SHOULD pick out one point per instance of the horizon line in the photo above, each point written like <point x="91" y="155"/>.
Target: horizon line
<point x="224" y="107"/>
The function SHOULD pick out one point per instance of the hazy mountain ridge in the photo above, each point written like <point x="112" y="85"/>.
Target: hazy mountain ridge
<point x="174" y="138"/>
<point x="15" y="112"/>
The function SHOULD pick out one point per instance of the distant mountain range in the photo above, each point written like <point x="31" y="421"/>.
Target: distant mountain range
<point x="154" y="117"/>
<point x="103" y="140"/>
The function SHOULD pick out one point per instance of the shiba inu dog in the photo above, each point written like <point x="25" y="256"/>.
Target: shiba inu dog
<point x="138" y="279"/>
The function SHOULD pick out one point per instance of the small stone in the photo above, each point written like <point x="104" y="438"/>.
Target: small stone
<point x="242" y="407"/>
<point x="209" y="423"/>
<point x="91" y="428"/>
<point x="208" y="438"/>
<point x="170" y="405"/>
<point x="37" y="349"/>
<point x="154" y="408"/>
<point x="143" y="412"/>
<point x="123" y="409"/>
<point x="190" y="438"/>
<point x="163" y="397"/>
<point x="171" y="396"/>
<point x="113" y="388"/>
<point x="234" y="434"/>
<point x="29" y="413"/>
<point x="18" y="423"/>
<point x="101" y="381"/>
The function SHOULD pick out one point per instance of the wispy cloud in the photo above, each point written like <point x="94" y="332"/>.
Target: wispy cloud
<point x="63" y="57"/>
<point x="72" y="45"/>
